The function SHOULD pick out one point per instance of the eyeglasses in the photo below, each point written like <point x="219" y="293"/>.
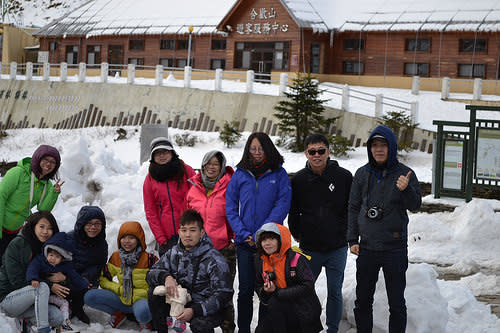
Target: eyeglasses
<point x="313" y="152"/>
<point x="94" y="225"/>
<point x="161" y="152"/>
<point x="47" y="161"/>
<point x="254" y="150"/>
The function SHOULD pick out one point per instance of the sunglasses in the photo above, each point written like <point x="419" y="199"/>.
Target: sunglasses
<point x="313" y="152"/>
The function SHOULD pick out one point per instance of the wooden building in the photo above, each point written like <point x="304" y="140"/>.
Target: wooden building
<point x="280" y="35"/>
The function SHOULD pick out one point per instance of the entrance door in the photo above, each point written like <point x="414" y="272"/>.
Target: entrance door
<point x="262" y="64"/>
<point x="115" y="57"/>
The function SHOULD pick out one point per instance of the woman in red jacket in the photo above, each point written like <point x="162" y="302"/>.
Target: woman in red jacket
<point x="164" y="191"/>
<point x="208" y="197"/>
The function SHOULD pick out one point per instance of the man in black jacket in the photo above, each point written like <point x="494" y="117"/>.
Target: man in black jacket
<point x="382" y="191"/>
<point x="318" y="219"/>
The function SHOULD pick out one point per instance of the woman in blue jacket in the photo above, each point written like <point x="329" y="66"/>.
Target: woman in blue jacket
<point x="259" y="192"/>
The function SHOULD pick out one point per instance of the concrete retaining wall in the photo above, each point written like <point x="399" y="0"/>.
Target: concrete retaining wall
<point x="83" y="104"/>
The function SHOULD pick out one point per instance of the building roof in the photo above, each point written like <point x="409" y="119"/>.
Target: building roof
<point x="425" y="15"/>
<point x="124" y="17"/>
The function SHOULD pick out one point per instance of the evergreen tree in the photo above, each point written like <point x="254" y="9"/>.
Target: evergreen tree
<point x="230" y="133"/>
<point x="302" y="112"/>
<point x="402" y="126"/>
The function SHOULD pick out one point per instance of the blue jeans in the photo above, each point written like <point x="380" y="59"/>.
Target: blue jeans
<point x="394" y="265"/>
<point x="32" y="304"/>
<point x="109" y="302"/>
<point x="334" y="263"/>
<point x="246" y="279"/>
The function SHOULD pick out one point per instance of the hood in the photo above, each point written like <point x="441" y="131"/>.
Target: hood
<point x="388" y="134"/>
<point x="281" y="231"/>
<point x="41" y="152"/>
<point x="86" y="214"/>
<point x="133" y="228"/>
<point x="61" y="243"/>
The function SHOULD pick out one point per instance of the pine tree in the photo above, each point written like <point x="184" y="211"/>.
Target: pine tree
<point x="302" y="112"/>
<point x="230" y="133"/>
<point x="401" y="124"/>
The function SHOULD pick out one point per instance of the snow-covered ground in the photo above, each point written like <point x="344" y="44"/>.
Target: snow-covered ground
<point x="466" y="238"/>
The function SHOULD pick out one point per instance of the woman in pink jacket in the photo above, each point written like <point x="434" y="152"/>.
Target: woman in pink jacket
<point x="164" y="191"/>
<point x="208" y="197"/>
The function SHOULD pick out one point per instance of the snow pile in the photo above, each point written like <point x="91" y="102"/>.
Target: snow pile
<point x="427" y="308"/>
<point x="468" y="236"/>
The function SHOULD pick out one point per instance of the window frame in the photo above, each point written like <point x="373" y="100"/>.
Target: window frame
<point x="133" y="44"/>
<point x="473" y="66"/>
<point x="418" y="72"/>
<point x="418" y="44"/>
<point x="354" y="63"/>
<point x="360" y="44"/>
<point x="473" y="45"/>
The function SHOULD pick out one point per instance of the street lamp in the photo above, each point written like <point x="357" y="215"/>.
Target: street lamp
<point x="189" y="45"/>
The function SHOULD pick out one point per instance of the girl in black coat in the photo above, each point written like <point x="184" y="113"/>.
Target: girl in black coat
<point x="285" y="285"/>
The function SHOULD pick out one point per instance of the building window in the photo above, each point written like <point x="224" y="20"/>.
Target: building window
<point x="352" y="67"/>
<point x="136" y="61"/>
<point x="93" y="54"/>
<point x="473" y="45"/>
<point x="218" y="44"/>
<point x="413" y="44"/>
<point x="263" y="55"/>
<point x="136" y="44"/>
<point x="421" y="69"/>
<point x="183" y="44"/>
<point x="167" y="62"/>
<point x="218" y="63"/>
<point x="465" y="70"/>
<point x="181" y="63"/>
<point x="52" y="46"/>
<point x="167" y="44"/>
<point x="72" y="54"/>
<point x="315" y="57"/>
<point x="354" y="44"/>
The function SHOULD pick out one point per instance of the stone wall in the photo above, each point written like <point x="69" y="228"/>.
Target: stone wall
<point x="66" y="105"/>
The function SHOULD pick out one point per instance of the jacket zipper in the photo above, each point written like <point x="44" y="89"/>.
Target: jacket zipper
<point x="171" y="208"/>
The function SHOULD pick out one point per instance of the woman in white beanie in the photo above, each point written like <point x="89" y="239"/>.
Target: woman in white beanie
<point x="164" y="191"/>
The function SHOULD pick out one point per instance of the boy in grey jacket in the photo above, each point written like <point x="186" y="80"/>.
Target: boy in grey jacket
<point x="382" y="191"/>
<point x="197" y="266"/>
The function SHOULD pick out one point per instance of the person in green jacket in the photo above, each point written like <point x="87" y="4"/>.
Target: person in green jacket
<point x="25" y="186"/>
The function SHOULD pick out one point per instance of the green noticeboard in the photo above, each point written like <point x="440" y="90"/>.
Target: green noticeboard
<point x="488" y="154"/>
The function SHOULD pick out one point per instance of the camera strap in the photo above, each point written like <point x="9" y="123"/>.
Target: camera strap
<point x="381" y="205"/>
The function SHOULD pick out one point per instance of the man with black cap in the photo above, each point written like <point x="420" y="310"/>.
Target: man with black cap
<point x="382" y="191"/>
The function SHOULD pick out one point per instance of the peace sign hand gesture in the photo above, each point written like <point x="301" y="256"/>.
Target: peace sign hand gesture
<point x="58" y="185"/>
<point x="403" y="181"/>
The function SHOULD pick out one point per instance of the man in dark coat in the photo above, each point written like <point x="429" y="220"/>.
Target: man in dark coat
<point x="382" y="191"/>
<point x="318" y="219"/>
<point x="197" y="266"/>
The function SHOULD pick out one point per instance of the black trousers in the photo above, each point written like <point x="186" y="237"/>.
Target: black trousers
<point x="160" y="310"/>
<point x="279" y="317"/>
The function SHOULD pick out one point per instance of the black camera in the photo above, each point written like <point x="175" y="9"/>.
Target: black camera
<point x="374" y="213"/>
<point x="268" y="276"/>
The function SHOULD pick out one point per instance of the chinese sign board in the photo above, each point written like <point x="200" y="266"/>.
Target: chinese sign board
<point x="262" y="21"/>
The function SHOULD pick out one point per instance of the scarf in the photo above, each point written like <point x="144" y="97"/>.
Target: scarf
<point x="258" y="169"/>
<point x="129" y="261"/>
<point x="172" y="170"/>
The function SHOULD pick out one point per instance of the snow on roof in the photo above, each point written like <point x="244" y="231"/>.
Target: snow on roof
<point x="423" y="15"/>
<point x="120" y="17"/>
<point x="306" y="14"/>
